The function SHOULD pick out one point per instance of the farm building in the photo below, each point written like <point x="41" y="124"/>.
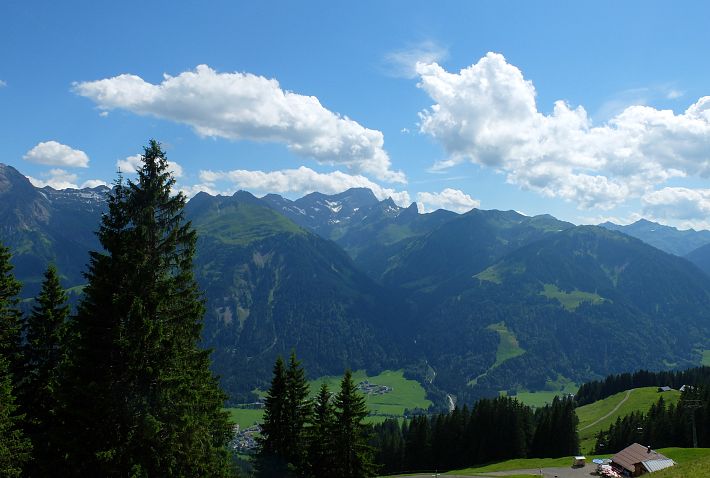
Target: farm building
<point x="637" y="459"/>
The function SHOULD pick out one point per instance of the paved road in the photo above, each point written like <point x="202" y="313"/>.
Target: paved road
<point x="611" y="412"/>
<point x="568" y="472"/>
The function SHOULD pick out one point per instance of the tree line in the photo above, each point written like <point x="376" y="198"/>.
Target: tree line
<point x="316" y="437"/>
<point x="664" y="425"/>
<point x="121" y="388"/>
<point x="491" y="430"/>
<point x="599" y="389"/>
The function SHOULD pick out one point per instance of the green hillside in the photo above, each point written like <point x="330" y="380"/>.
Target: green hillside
<point x="237" y="222"/>
<point x="690" y="463"/>
<point x="600" y="415"/>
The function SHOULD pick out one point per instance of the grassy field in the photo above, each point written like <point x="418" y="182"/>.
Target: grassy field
<point x="405" y="394"/>
<point x="517" y="464"/>
<point x="543" y="397"/>
<point x="245" y="417"/>
<point x="570" y="300"/>
<point x="690" y="461"/>
<point x="693" y="462"/>
<point x="640" y="399"/>
<point x="560" y="387"/>
<point x="508" y="347"/>
<point x="705" y="357"/>
<point x="695" y="469"/>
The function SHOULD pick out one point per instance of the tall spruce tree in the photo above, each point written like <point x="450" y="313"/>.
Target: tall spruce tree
<point x="44" y="352"/>
<point x="272" y="456"/>
<point x="287" y="410"/>
<point x="14" y="446"/>
<point x="10" y="315"/>
<point x="353" y="455"/>
<point x="321" y="449"/>
<point x="298" y="410"/>
<point x="141" y="400"/>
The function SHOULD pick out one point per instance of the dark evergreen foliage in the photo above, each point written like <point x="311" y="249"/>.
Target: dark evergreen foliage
<point x="140" y="399"/>
<point x="10" y="315"/>
<point x="272" y="458"/>
<point x="14" y="446"/>
<point x="298" y="412"/>
<point x="493" y="430"/>
<point x="556" y="430"/>
<point x="320" y="439"/>
<point x="44" y="352"/>
<point x="353" y="454"/>
<point x="321" y="436"/>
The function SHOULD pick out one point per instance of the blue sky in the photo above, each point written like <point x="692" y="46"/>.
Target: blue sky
<point x="584" y="111"/>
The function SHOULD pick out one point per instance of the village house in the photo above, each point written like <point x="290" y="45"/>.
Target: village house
<point x="636" y="459"/>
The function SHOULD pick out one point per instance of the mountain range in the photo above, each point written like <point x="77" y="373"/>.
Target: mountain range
<point x="469" y="304"/>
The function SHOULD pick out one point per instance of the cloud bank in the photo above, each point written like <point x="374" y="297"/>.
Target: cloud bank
<point x="487" y="114"/>
<point x="240" y="106"/>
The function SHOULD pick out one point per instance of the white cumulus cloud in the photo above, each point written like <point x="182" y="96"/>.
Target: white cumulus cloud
<point x="487" y="114"/>
<point x="57" y="154"/>
<point x="299" y="181"/>
<point x="246" y="106"/>
<point x="132" y="163"/>
<point x="450" y="199"/>
<point x="679" y="206"/>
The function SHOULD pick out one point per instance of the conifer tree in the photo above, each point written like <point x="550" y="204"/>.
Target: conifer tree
<point x="320" y="436"/>
<point x="352" y="452"/>
<point x="141" y="398"/>
<point x="286" y="412"/>
<point x="298" y="410"/>
<point x="43" y="353"/>
<point x="271" y="459"/>
<point x="10" y="315"/>
<point x="14" y="446"/>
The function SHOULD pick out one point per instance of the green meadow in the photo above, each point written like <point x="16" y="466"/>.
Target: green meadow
<point x="640" y="399"/>
<point x="405" y="393"/>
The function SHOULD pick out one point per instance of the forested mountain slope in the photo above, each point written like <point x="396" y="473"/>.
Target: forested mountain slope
<point x="273" y="287"/>
<point x="471" y="304"/>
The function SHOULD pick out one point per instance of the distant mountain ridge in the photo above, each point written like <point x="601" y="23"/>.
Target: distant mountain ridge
<point x="44" y="225"/>
<point x="665" y="238"/>
<point x="470" y="304"/>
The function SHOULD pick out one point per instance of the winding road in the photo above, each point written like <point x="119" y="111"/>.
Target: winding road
<point x="611" y="412"/>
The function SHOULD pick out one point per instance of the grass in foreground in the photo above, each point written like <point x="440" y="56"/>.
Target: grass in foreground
<point x="517" y="464"/>
<point x="685" y="455"/>
<point x="689" y="460"/>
